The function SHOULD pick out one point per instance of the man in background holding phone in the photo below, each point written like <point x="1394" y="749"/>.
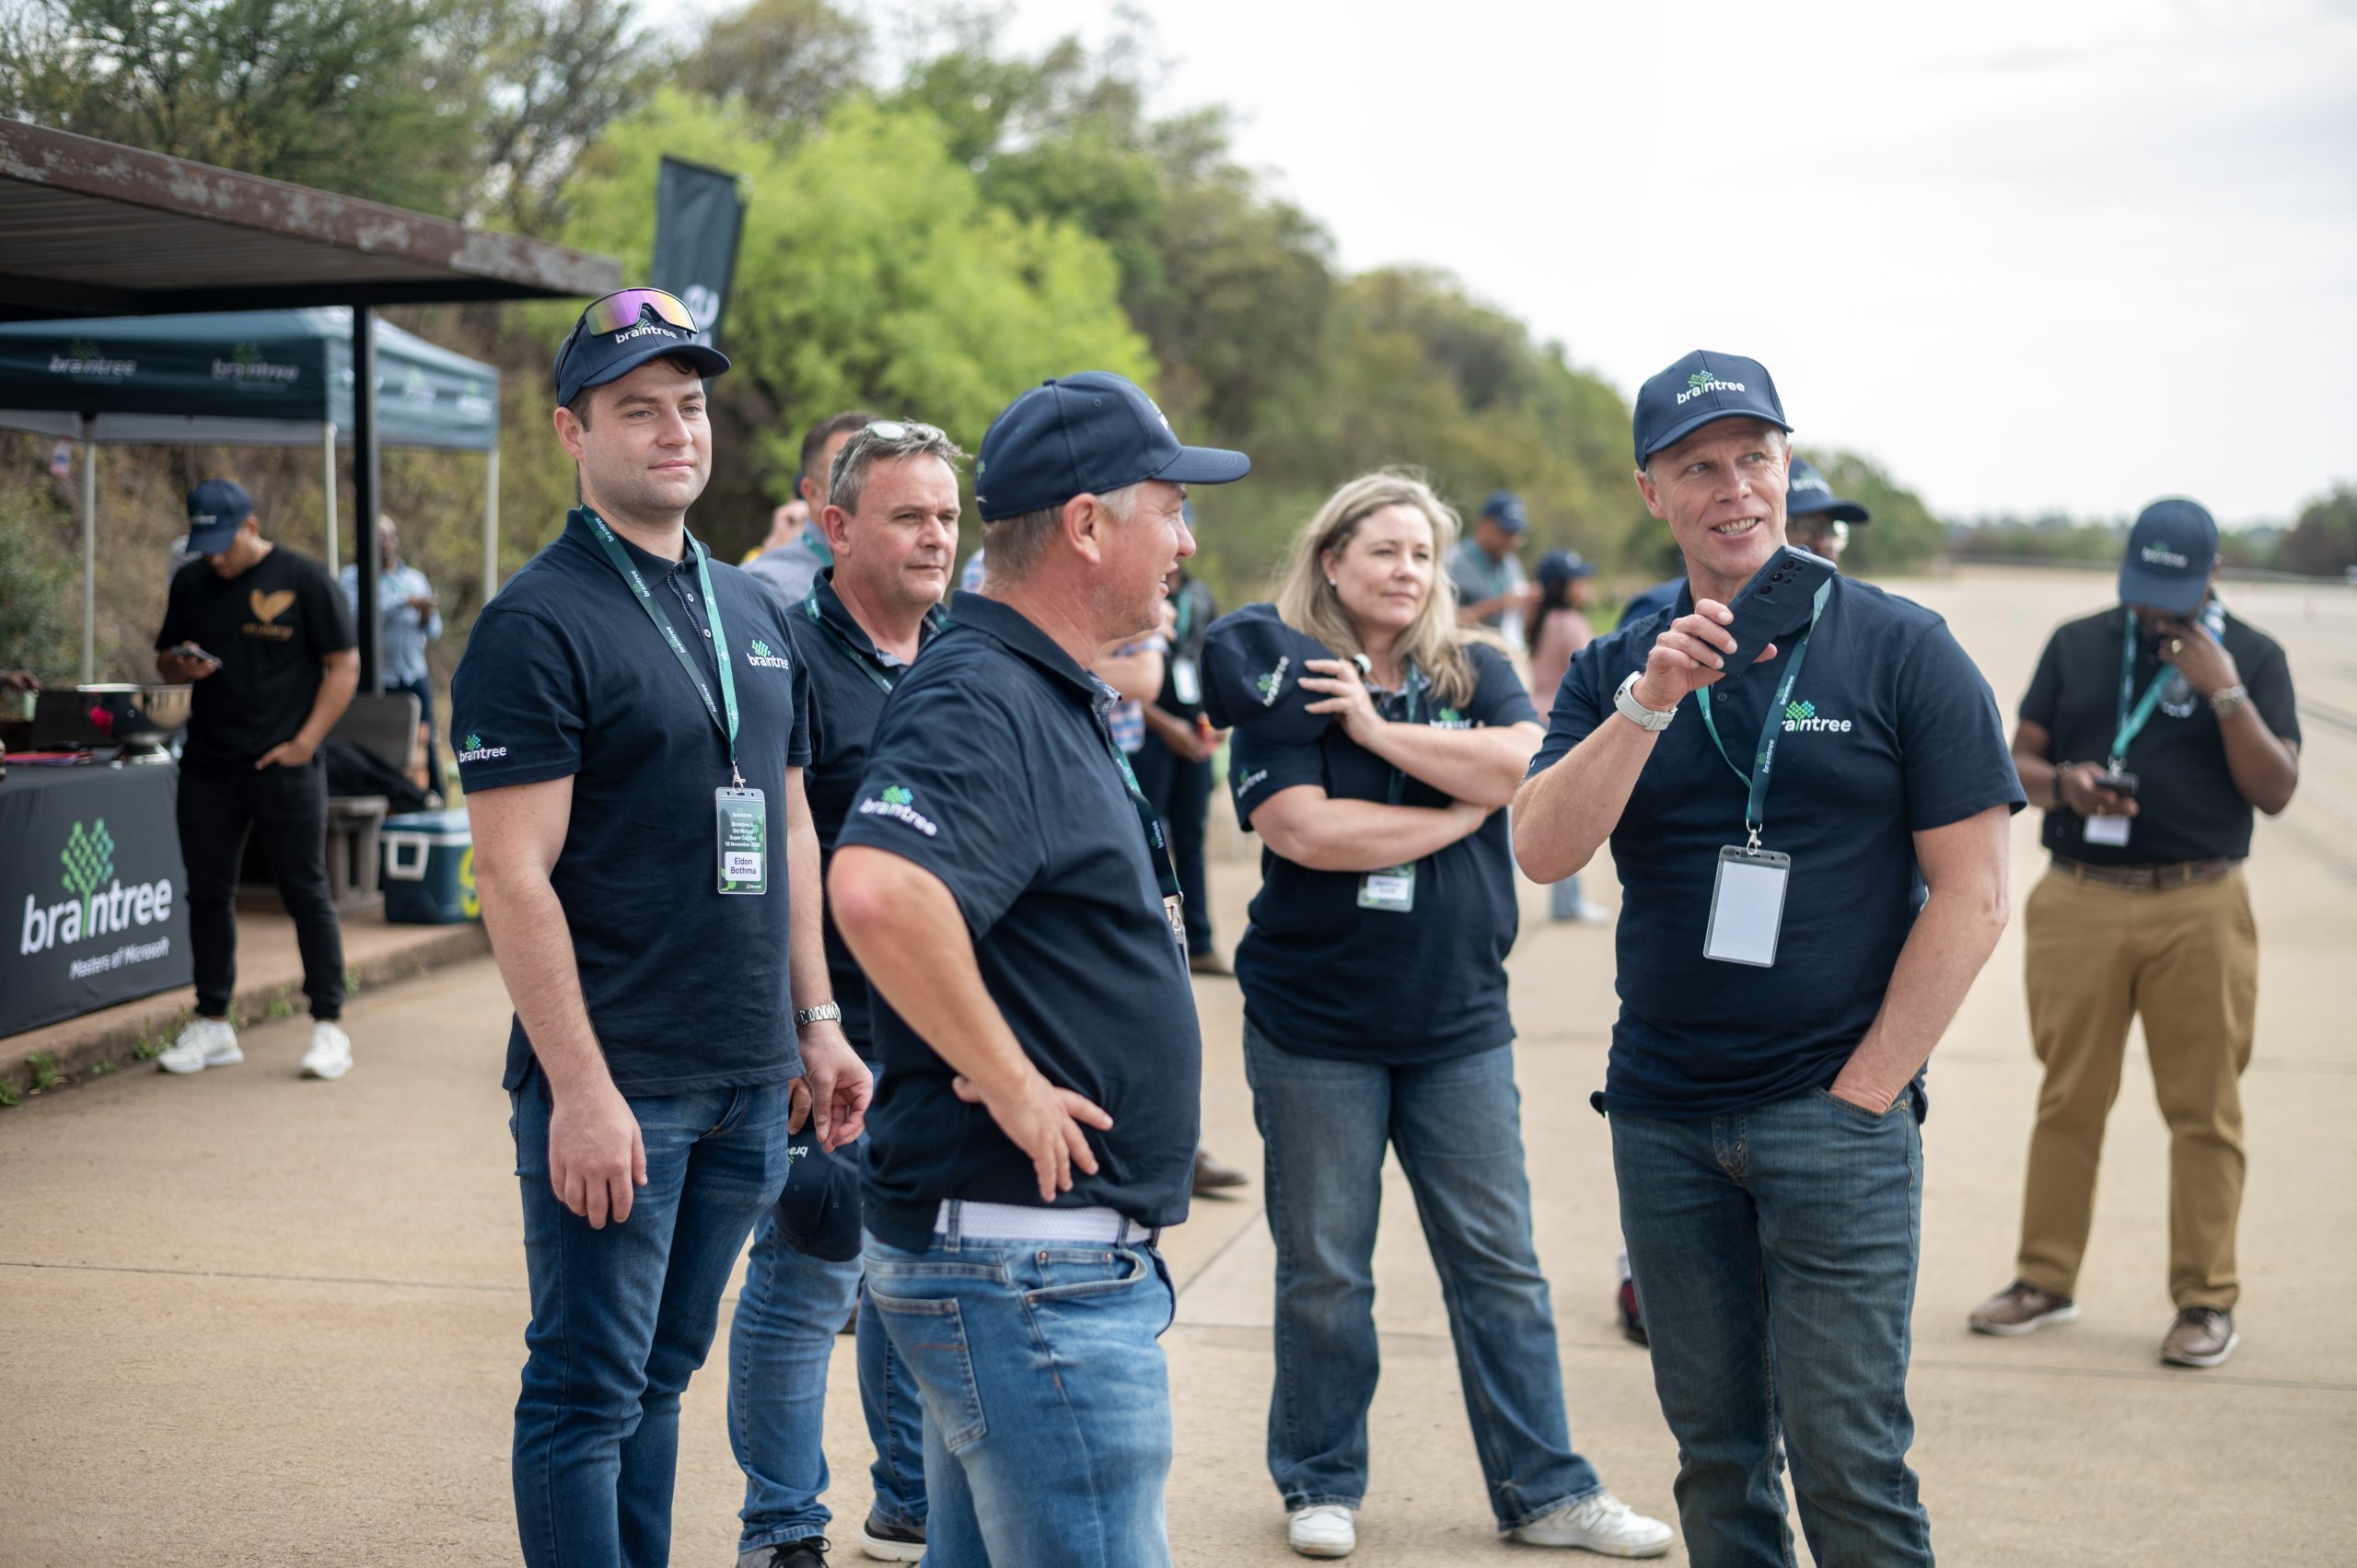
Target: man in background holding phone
<point x="1764" y="1094"/>
<point x="267" y="642"/>
<point x="2149" y="732"/>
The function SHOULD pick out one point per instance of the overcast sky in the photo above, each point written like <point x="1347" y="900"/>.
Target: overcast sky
<point x="2029" y="254"/>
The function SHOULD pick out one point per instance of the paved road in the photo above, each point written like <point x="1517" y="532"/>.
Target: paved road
<point x="250" y="1319"/>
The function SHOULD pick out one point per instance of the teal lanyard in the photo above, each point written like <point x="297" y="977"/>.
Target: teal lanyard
<point x="851" y="650"/>
<point x="818" y="545"/>
<point x="1415" y="687"/>
<point x="1755" y="810"/>
<point x="1186" y="616"/>
<point x="1165" y="874"/>
<point x="2132" y="721"/>
<point x="654" y="612"/>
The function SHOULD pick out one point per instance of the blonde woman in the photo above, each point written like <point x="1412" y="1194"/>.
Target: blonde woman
<point x="1375" y="1016"/>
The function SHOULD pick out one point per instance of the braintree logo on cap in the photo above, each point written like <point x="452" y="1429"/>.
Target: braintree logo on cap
<point x="895" y="801"/>
<point x="1271" y="683"/>
<point x="1702" y="381"/>
<point x="761" y="657"/>
<point x="1812" y="481"/>
<point x="2155" y="555"/>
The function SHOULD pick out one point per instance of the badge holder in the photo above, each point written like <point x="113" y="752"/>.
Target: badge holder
<point x="1747" y="906"/>
<point x="744" y="839"/>
<point x="1393" y="889"/>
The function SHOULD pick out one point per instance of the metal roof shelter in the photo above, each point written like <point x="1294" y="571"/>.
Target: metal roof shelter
<point x="95" y="229"/>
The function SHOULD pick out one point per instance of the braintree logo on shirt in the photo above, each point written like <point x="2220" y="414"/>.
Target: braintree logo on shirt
<point x="895" y="802"/>
<point x="2155" y="555"/>
<point x="1702" y="381"/>
<point x="762" y="659"/>
<point x="477" y="751"/>
<point x="1802" y="716"/>
<point x="1449" y="718"/>
<point x="1271" y="683"/>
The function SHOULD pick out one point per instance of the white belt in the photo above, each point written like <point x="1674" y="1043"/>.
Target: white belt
<point x="1026" y="1222"/>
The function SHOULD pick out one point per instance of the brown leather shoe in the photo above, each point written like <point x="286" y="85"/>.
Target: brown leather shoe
<point x="1209" y="962"/>
<point x="2020" y="1307"/>
<point x="2201" y="1336"/>
<point x="1213" y="1176"/>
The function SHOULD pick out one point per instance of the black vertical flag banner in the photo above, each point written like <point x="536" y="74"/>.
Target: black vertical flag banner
<point x="697" y="217"/>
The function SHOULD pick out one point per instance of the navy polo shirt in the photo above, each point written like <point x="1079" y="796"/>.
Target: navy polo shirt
<point x="564" y="676"/>
<point x="1321" y="976"/>
<point x="1893" y="731"/>
<point x="849" y="676"/>
<point x="992" y="769"/>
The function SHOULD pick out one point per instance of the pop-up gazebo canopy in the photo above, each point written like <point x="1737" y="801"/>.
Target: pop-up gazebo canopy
<point x="242" y="378"/>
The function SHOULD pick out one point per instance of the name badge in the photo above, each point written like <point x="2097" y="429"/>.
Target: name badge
<point x="1747" y="906"/>
<point x="744" y="836"/>
<point x="1186" y="681"/>
<point x="1394" y="890"/>
<point x="1175" y="911"/>
<point x="2112" y="831"/>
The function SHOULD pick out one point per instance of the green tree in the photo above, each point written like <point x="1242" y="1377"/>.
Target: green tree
<point x="1903" y="537"/>
<point x="2323" y="544"/>
<point x="785" y="62"/>
<point x="39" y="629"/>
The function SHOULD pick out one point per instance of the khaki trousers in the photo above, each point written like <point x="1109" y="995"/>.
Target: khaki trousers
<point x="2185" y="960"/>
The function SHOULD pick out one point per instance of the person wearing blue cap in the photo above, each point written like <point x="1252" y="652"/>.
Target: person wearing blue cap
<point x="1372" y="752"/>
<point x="1816" y="519"/>
<point x="1487" y="569"/>
<point x="1787" y="960"/>
<point x="1005" y="884"/>
<point x="268" y="643"/>
<point x="2150" y="732"/>
<point x="636" y="723"/>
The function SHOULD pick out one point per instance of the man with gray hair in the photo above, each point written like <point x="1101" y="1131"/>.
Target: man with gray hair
<point x="1780" y="995"/>
<point x="1003" y="883"/>
<point x="890" y="526"/>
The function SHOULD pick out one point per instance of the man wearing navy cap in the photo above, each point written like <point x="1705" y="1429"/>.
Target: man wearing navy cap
<point x="267" y="640"/>
<point x="1817" y="521"/>
<point x="634" y="724"/>
<point x="1005" y="884"/>
<point x="2149" y="732"/>
<point x="1788" y="958"/>
<point x="1490" y="588"/>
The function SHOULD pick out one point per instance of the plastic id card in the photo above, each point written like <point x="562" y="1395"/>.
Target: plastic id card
<point x="1394" y="890"/>
<point x="744" y="833"/>
<point x="1747" y="906"/>
<point x="1186" y="681"/>
<point x="2112" y="831"/>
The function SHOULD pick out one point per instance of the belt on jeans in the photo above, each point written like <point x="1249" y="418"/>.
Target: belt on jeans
<point x="1027" y="1222"/>
<point x="2146" y="879"/>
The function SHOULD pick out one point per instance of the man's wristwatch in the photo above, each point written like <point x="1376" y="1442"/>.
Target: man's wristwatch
<point x="1636" y="713"/>
<point x="825" y="1012"/>
<point x="2226" y="700"/>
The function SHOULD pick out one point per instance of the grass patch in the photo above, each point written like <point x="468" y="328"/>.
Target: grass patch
<point x="42" y="1065"/>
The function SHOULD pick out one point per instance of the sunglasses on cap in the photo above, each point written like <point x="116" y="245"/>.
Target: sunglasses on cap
<point x="900" y="430"/>
<point x="626" y="307"/>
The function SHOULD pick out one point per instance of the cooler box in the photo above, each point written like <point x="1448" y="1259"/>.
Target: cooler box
<point x="429" y="868"/>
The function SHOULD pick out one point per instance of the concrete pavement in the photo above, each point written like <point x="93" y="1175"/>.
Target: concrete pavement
<point x="251" y="1319"/>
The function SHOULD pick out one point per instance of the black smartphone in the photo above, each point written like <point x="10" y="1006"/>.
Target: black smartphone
<point x="1776" y="603"/>
<point x="2118" y="783"/>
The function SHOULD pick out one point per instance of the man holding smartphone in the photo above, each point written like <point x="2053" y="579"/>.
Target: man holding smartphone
<point x="1788" y="957"/>
<point x="2149" y="732"/>
<point x="267" y="642"/>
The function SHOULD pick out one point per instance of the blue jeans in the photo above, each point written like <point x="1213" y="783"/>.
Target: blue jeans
<point x="1047" y="1432"/>
<point x="1774" y="1251"/>
<point x="1458" y="1127"/>
<point x="779" y="1347"/>
<point x="620" y="1318"/>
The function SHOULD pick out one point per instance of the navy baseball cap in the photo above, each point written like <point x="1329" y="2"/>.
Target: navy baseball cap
<point x="2171" y="551"/>
<point x="1086" y="435"/>
<point x="1698" y="389"/>
<point x="216" y="510"/>
<point x="1505" y="509"/>
<point x="1562" y="566"/>
<point x="819" y="1213"/>
<point x="1809" y="496"/>
<point x="623" y="330"/>
<point x="1253" y="664"/>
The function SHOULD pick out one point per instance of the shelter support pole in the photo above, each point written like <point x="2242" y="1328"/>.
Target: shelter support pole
<point x="89" y="549"/>
<point x="365" y="504"/>
<point x="327" y="458"/>
<point x="491" y="524"/>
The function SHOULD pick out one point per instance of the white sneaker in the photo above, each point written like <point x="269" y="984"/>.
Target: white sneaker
<point x="1323" y="1531"/>
<point x="331" y="1052"/>
<point x="207" y="1042"/>
<point x="1602" y="1524"/>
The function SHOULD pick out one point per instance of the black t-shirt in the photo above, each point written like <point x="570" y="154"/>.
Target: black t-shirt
<point x="845" y="667"/>
<point x="2187" y="805"/>
<point x="993" y="770"/>
<point x="688" y="988"/>
<point x="1182" y="687"/>
<point x="1892" y="731"/>
<point x="1321" y="976"/>
<point x="269" y="626"/>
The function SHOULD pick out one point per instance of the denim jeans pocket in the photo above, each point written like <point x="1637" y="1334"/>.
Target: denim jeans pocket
<point x="1859" y="1112"/>
<point x="1077" y="1274"/>
<point x="930" y="1335"/>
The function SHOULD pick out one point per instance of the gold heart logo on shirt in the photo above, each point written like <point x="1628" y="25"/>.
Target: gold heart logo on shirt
<point x="270" y="607"/>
